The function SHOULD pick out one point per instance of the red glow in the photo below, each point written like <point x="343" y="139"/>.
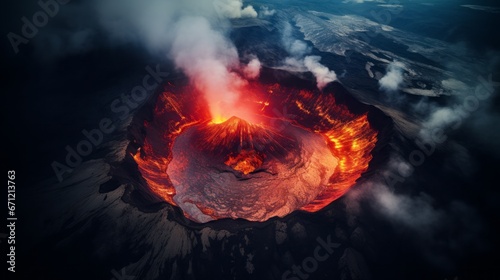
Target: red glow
<point x="260" y="115"/>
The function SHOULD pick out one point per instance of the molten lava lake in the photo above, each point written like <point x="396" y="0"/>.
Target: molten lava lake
<point x="300" y="149"/>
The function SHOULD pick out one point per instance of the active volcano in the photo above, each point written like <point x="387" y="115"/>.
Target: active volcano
<point x="293" y="148"/>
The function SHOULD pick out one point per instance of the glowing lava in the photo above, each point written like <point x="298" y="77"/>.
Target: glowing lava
<point x="300" y="151"/>
<point x="245" y="161"/>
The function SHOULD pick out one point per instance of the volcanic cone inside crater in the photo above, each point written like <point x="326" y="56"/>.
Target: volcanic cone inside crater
<point x="236" y="169"/>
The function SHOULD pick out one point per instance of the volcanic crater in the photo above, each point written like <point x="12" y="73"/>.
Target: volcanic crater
<point x="301" y="149"/>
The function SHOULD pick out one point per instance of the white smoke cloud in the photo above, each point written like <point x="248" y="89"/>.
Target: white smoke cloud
<point x="322" y="73"/>
<point x="299" y="62"/>
<point x="438" y="121"/>
<point x="145" y="24"/>
<point x="207" y="57"/>
<point x="266" y="12"/>
<point x="293" y="64"/>
<point x="420" y="213"/>
<point x="234" y="9"/>
<point x="294" y="47"/>
<point x="248" y="11"/>
<point x="415" y="212"/>
<point x="252" y="69"/>
<point x="298" y="48"/>
<point x="193" y="36"/>
<point x="470" y="105"/>
<point x="393" y="78"/>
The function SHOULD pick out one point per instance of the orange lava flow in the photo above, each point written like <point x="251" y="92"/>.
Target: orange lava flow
<point x="349" y="136"/>
<point x="351" y="140"/>
<point x="246" y="161"/>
